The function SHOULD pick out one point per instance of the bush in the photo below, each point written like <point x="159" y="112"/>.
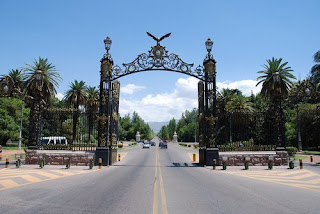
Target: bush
<point x="120" y="145"/>
<point x="189" y="145"/>
<point x="195" y="146"/>
<point x="292" y="151"/>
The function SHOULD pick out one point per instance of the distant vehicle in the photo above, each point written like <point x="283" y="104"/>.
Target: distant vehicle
<point x="54" y="140"/>
<point x="152" y="143"/>
<point x="146" y="146"/>
<point x="163" y="145"/>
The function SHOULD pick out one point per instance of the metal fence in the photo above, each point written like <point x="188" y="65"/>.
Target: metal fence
<point x="243" y="131"/>
<point x="58" y="122"/>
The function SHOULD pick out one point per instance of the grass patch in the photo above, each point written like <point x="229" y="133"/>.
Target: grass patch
<point x="12" y="147"/>
<point x="312" y="152"/>
<point x="298" y="157"/>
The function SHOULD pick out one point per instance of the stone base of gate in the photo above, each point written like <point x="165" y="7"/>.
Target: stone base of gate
<point x="104" y="154"/>
<point x="59" y="157"/>
<point x="210" y="155"/>
<point x="257" y="158"/>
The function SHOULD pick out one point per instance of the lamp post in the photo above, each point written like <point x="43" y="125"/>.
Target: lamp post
<point x="210" y="151"/>
<point x="20" y="132"/>
<point x="210" y="94"/>
<point x="279" y="129"/>
<point x="306" y="96"/>
<point x="104" y="119"/>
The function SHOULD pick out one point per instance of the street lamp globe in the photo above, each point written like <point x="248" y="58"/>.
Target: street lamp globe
<point x="38" y="75"/>
<point x="107" y="43"/>
<point x="276" y="77"/>
<point x="5" y="89"/>
<point x="307" y="92"/>
<point x="209" y="44"/>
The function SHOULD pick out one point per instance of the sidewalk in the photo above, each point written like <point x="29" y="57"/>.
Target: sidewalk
<point x="7" y="153"/>
<point x="316" y="158"/>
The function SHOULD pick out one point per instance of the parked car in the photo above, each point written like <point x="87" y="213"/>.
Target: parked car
<point x="54" y="140"/>
<point x="163" y="145"/>
<point x="146" y="146"/>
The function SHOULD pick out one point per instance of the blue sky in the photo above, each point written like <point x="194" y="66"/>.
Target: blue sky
<point x="245" y="33"/>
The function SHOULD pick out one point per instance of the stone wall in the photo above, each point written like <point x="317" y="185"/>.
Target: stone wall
<point x="52" y="157"/>
<point x="256" y="158"/>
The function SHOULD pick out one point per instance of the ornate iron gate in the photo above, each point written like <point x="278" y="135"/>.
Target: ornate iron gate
<point x="157" y="58"/>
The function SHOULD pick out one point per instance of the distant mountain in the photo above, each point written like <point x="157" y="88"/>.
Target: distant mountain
<point x="156" y="126"/>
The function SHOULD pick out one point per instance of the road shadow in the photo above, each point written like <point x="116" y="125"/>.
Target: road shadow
<point x="184" y="165"/>
<point x="173" y="165"/>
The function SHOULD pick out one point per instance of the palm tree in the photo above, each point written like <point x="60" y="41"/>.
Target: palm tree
<point x="276" y="78"/>
<point x="239" y="103"/>
<point x="315" y="70"/>
<point x="40" y="89"/>
<point x="17" y="78"/>
<point x="276" y="81"/>
<point x="76" y="96"/>
<point x="224" y="96"/>
<point x="91" y="105"/>
<point x="50" y="79"/>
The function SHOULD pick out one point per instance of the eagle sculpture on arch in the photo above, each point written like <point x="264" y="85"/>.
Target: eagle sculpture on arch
<point x="157" y="38"/>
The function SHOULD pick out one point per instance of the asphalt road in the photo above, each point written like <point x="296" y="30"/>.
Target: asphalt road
<point x="158" y="181"/>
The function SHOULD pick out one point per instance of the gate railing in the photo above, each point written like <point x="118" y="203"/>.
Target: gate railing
<point x="60" y="121"/>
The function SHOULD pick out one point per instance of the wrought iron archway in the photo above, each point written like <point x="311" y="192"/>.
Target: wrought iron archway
<point x="158" y="58"/>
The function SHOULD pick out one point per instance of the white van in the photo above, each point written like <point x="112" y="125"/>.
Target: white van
<point x="54" y="140"/>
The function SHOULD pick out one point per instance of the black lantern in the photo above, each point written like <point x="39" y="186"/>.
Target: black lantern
<point x="38" y="75"/>
<point x="209" y="45"/>
<point x="107" y="43"/>
<point x="5" y="89"/>
<point x="276" y="77"/>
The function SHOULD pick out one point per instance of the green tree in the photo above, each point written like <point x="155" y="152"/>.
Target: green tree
<point x="76" y="96"/>
<point x="128" y="128"/>
<point x="239" y="103"/>
<point x="163" y="133"/>
<point x="17" y="78"/>
<point x="50" y="79"/>
<point x="224" y="96"/>
<point x="276" y="78"/>
<point x="315" y="70"/>
<point x="10" y="117"/>
<point x="172" y="126"/>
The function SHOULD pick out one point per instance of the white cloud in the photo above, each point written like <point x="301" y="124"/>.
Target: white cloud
<point x="164" y="106"/>
<point x="131" y="88"/>
<point x="59" y="96"/>
<point x="246" y="86"/>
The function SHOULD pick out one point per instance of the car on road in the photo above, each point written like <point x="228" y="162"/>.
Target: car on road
<point x="54" y="140"/>
<point x="163" y="145"/>
<point x="146" y="146"/>
<point x="152" y="143"/>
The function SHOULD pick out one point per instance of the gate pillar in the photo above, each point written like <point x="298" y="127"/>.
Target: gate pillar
<point x="210" y="108"/>
<point x="201" y="116"/>
<point x="103" y="150"/>
<point x="114" y="120"/>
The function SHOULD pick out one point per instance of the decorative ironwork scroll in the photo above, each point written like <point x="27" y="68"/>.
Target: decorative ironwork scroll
<point x="157" y="58"/>
<point x="114" y="114"/>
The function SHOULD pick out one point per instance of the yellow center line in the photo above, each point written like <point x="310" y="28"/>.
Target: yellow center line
<point x="163" y="195"/>
<point x="155" y="186"/>
<point x="159" y="181"/>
